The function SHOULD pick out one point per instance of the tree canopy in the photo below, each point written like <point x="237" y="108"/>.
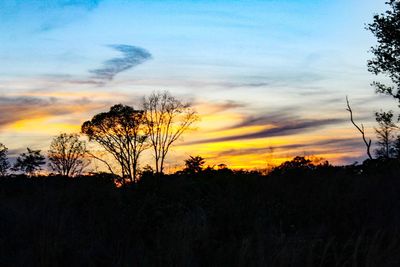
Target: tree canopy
<point x="386" y="61"/>
<point x="121" y="132"/>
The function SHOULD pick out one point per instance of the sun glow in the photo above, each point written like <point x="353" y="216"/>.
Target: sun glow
<point x="42" y="126"/>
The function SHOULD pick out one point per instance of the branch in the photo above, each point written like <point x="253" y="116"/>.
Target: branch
<point x="360" y="129"/>
<point x="102" y="160"/>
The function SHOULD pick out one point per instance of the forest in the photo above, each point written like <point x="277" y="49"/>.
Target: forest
<point x="56" y="210"/>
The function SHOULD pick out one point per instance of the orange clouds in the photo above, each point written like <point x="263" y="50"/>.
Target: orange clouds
<point x="240" y="140"/>
<point x="42" y="115"/>
<point x="229" y="132"/>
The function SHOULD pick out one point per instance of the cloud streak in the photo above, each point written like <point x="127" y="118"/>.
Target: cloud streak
<point x="339" y="145"/>
<point x="281" y="125"/>
<point x="131" y="57"/>
<point x="28" y="108"/>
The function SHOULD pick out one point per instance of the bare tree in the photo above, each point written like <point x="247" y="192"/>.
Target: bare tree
<point x="167" y="118"/>
<point x="385" y="134"/>
<point x="360" y="129"/>
<point x="122" y="133"/>
<point x="67" y="154"/>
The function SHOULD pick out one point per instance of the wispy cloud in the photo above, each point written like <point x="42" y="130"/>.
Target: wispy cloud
<point x="213" y="107"/>
<point x="25" y="108"/>
<point x="279" y="125"/>
<point x="339" y="145"/>
<point x="131" y="57"/>
<point x="17" y="108"/>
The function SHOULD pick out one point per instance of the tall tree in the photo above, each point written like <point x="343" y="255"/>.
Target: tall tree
<point x="4" y="164"/>
<point x="30" y="162"/>
<point x="67" y="154"/>
<point x="386" y="28"/>
<point x="385" y="134"/>
<point x="167" y="118"/>
<point x="122" y="133"/>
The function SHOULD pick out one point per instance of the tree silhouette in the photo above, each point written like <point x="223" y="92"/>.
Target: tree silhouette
<point x="222" y="166"/>
<point x="194" y="164"/>
<point x="4" y="164"/>
<point x="360" y="129"/>
<point x="67" y="154"/>
<point x="147" y="170"/>
<point x="297" y="163"/>
<point x="396" y="148"/>
<point x="386" y="28"/>
<point x="29" y="163"/>
<point x="167" y="118"/>
<point x="121" y="133"/>
<point x="385" y="135"/>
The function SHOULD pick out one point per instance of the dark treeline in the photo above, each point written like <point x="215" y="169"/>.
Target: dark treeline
<point x="300" y="214"/>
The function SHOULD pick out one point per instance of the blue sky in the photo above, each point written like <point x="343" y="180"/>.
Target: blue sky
<point x="268" y="61"/>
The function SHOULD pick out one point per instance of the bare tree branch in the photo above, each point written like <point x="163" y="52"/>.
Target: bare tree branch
<point x="360" y="129"/>
<point x="167" y="118"/>
<point x="101" y="160"/>
<point x="67" y="154"/>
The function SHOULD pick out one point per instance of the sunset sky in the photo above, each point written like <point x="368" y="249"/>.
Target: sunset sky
<point x="268" y="78"/>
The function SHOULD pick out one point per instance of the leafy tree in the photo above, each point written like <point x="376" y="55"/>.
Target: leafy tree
<point x="4" y="164"/>
<point x="29" y="163"/>
<point x="167" y="118"/>
<point x="122" y="134"/>
<point x="386" y="28"/>
<point x="194" y="164"/>
<point x="67" y="154"/>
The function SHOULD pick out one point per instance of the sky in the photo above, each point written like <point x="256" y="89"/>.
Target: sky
<point x="268" y="78"/>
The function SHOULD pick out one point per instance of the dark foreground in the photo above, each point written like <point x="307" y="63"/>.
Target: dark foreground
<point x="297" y="216"/>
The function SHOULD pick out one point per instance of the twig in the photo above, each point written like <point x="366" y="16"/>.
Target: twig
<point x="102" y="160"/>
